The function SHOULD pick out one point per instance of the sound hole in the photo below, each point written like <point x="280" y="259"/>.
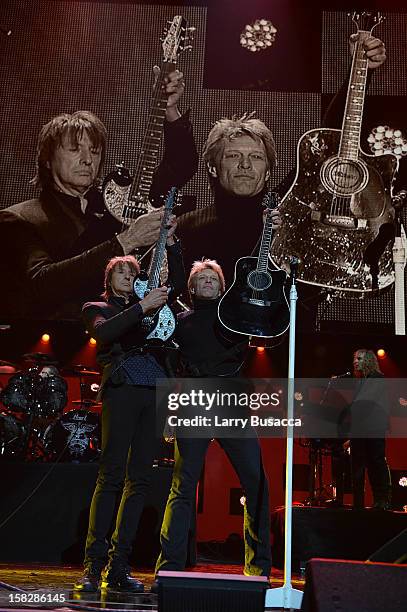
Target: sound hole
<point x="259" y="281"/>
<point x="344" y="177"/>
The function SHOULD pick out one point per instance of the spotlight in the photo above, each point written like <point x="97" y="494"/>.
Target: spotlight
<point x="260" y="349"/>
<point x="242" y="500"/>
<point x="45" y="338"/>
<point x="258" y="35"/>
<point x="92" y="341"/>
<point x="384" y="139"/>
<point x="381" y="353"/>
<point x="403" y="481"/>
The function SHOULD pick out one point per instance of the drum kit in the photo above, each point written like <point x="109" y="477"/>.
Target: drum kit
<point x="33" y="424"/>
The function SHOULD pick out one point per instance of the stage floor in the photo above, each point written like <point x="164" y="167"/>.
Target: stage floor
<point x="54" y="583"/>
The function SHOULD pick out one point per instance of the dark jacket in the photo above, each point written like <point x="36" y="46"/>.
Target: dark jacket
<point x="370" y="409"/>
<point x="59" y="254"/>
<point x="206" y="347"/>
<point x="116" y="326"/>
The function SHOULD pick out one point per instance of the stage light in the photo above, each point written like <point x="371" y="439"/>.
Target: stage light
<point x="403" y="481"/>
<point x="260" y="349"/>
<point x="381" y="353"/>
<point x="92" y="341"/>
<point x="258" y="36"/>
<point x="384" y="139"/>
<point x="45" y="338"/>
<point x="242" y="500"/>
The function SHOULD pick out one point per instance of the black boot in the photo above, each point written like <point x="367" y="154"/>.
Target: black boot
<point x="116" y="577"/>
<point x="89" y="581"/>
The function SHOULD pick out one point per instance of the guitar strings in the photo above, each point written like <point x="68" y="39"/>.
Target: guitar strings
<point x="157" y="96"/>
<point x="263" y="255"/>
<point x="341" y="204"/>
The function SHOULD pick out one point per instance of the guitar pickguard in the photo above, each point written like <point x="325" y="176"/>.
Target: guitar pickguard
<point x="342" y="238"/>
<point x="116" y="196"/>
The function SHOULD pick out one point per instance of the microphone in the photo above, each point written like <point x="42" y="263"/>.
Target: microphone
<point x="294" y="263"/>
<point x="344" y="375"/>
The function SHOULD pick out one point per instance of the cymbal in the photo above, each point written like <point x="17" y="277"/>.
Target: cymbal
<point x="43" y="358"/>
<point x="74" y="371"/>
<point x="7" y="363"/>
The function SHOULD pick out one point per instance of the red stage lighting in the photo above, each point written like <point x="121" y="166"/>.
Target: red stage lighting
<point x="45" y="338"/>
<point x="260" y="349"/>
<point x="381" y="353"/>
<point x="92" y="341"/>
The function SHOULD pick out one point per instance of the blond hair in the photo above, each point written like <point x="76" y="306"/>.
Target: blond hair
<point x="199" y="266"/>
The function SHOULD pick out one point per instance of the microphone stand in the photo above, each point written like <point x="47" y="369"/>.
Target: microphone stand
<point x="399" y="260"/>
<point x="286" y="596"/>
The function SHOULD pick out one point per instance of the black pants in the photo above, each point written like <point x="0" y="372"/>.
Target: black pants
<point x="128" y="444"/>
<point x="370" y="453"/>
<point x="245" y="456"/>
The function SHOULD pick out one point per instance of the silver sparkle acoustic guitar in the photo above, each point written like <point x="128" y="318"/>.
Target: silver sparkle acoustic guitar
<point x="337" y="216"/>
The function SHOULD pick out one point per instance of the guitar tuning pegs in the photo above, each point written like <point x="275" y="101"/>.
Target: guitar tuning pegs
<point x="188" y="48"/>
<point x="191" y="29"/>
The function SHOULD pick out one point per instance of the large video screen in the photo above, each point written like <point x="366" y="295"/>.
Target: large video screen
<point x="62" y="57"/>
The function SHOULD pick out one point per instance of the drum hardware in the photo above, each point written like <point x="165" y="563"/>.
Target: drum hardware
<point x="31" y="399"/>
<point x="11" y="435"/>
<point x="82" y="373"/>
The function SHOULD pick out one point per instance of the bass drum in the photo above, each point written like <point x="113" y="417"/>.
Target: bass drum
<point x="73" y="437"/>
<point x="52" y="396"/>
<point x="17" y="394"/>
<point x="11" y="436"/>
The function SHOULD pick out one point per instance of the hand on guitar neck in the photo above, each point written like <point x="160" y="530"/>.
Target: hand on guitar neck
<point x="275" y="215"/>
<point x="174" y="88"/>
<point x="145" y="231"/>
<point x="374" y="48"/>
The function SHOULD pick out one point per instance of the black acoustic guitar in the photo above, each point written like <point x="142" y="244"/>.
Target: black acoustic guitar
<point x="256" y="303"/>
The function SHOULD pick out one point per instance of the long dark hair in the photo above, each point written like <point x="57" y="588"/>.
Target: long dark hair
<point x="113" y="263"/>
<point x="53" y="133"/>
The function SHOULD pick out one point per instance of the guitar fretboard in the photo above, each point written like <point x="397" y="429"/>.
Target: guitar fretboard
<point x="262" y="261"/>
<point x="352" y="120"/>
<point x="147" y="163"/>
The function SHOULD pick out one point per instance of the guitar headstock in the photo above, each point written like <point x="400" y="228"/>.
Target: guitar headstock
<point x="271" y="200"/>
<point x="171" y="199"/>
<point x="176" y="37"/>
<point x="366" y="21"/>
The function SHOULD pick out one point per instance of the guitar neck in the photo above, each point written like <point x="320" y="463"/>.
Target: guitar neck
<point x="157" y="262"/>
<point x="159" y="251"/>
<point x="262" y="260"/>
<point x="352" y="120"/>
<point x="147" y="162"/>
